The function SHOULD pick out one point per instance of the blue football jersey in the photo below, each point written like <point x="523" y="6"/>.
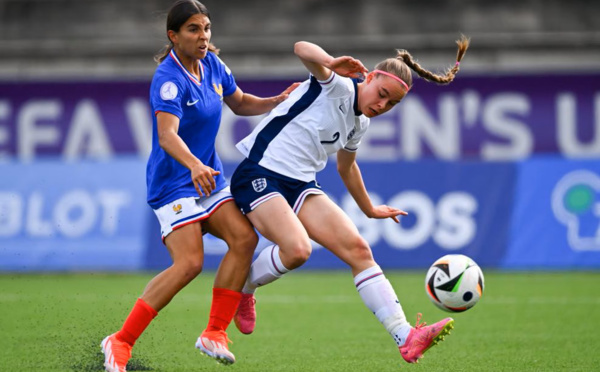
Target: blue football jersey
<point x="198" y="105"/>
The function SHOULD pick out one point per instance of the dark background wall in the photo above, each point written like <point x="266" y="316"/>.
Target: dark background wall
<point x="52" y="39"/>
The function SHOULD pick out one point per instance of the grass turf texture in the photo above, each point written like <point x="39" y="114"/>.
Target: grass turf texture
<point x="308" y="321"/>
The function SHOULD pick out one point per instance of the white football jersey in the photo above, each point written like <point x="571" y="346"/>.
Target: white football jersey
<point x="318" y="119"/>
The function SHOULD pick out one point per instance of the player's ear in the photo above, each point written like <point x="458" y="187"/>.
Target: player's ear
<point x="370" y="77"/>
<point x="172" y="36"/>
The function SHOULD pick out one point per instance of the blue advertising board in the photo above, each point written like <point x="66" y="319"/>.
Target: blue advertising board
<point x="72" y="216"/>
<point x="453" y="208"/>
<point x="556" y="215"/>
<point x="543" y="213"/>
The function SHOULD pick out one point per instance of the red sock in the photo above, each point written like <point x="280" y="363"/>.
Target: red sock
<point x="224" y="305"/>
<point x="140" y="316"/>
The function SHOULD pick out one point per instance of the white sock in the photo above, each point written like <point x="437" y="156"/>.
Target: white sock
<point x="379" y="296"/>
<point x="265" y="269"/>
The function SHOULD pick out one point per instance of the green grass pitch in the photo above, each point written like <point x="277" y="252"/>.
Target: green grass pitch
<point x="308" y="321"/>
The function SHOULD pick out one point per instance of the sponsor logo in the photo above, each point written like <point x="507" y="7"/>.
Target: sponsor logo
<point x="61" y="212"/>
<point x="259" y="184"/>
<point x="448" y="221"/>
<point x="192" y="103"/>
<point x="576" y="204"/>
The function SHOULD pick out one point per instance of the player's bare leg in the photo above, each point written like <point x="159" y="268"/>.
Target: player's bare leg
<point x="185" y="247"/>
<point x="277" y="222"/>
<point x="329" y="226"/>
<point x="230" y="225"/>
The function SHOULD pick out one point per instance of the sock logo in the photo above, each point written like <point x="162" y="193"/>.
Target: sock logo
<point x="398" y="340"/>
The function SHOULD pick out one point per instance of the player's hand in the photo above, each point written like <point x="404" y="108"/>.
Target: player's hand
<point x="203" y="178"/>
<point x="384" y="211"/>
<point x="348" y="67"/>
<point x="286" y="93"/>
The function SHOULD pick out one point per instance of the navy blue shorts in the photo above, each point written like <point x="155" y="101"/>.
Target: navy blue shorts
<point x="252" y="185"/>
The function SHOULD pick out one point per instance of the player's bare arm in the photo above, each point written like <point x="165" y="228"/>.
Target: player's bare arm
<point x="352" y="177"/>
<point x="169" y="140"/>
<point x="245" y="104"/>
<point x="320" y="63"/>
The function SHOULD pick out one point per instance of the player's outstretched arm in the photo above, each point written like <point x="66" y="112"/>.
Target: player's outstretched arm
<point x="320" y="63"/>
<point x="352" y="177"/>
<point x="245" y="104"/>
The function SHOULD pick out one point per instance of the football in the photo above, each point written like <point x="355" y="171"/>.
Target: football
<point x="454" y="283"/>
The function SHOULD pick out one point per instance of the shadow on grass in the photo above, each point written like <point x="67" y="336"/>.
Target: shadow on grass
<point x="92" y="359"/>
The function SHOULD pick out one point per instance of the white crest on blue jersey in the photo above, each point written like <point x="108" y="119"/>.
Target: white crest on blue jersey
<point x="223" y="63"/>
<point x="168" y="91"/>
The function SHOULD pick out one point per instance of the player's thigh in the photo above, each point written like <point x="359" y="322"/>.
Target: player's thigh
<point x="328" y="225"/>
<point x="185" y="244"/>
<point x="228" y="223"/>
<point x="277" y="222"/>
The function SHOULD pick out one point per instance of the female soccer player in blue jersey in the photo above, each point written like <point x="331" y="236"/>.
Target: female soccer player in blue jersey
<point x="186" y="186"/>
<point x="275" y="186"/>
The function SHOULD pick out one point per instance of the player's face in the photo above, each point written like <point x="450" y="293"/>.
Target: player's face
<point x="379" y="94"/>
<point x="193" y="37"/>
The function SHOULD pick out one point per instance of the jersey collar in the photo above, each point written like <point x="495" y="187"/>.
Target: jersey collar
<point x="192" y="77"/>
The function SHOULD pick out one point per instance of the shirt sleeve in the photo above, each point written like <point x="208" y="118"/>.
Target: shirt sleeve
<point x="166" y="95"/>
<point x="227" y="79"/>
<point x="336" y="86"/>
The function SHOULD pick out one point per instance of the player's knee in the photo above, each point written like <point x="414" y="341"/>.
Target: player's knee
<point x="244" y="248"/>
<point x="297" y="253"/>
<point x="245" y="242"/>
<point x="190" y="269"/>
<point x="360" y="250"/>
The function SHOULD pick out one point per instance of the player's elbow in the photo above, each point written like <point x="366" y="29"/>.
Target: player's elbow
<point x="238" y="110"/>
<point x="298" y="47"/>
<point x="238" y="107"/>
<point x="343" y="169"/>
<point x="164" y="138"/>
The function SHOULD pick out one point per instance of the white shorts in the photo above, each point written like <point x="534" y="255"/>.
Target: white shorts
<point x="184" y="211"/>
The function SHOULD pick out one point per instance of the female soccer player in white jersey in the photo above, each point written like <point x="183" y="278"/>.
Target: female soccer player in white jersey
<point x="275" y="186"/>
<point x="186" y="186"/>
